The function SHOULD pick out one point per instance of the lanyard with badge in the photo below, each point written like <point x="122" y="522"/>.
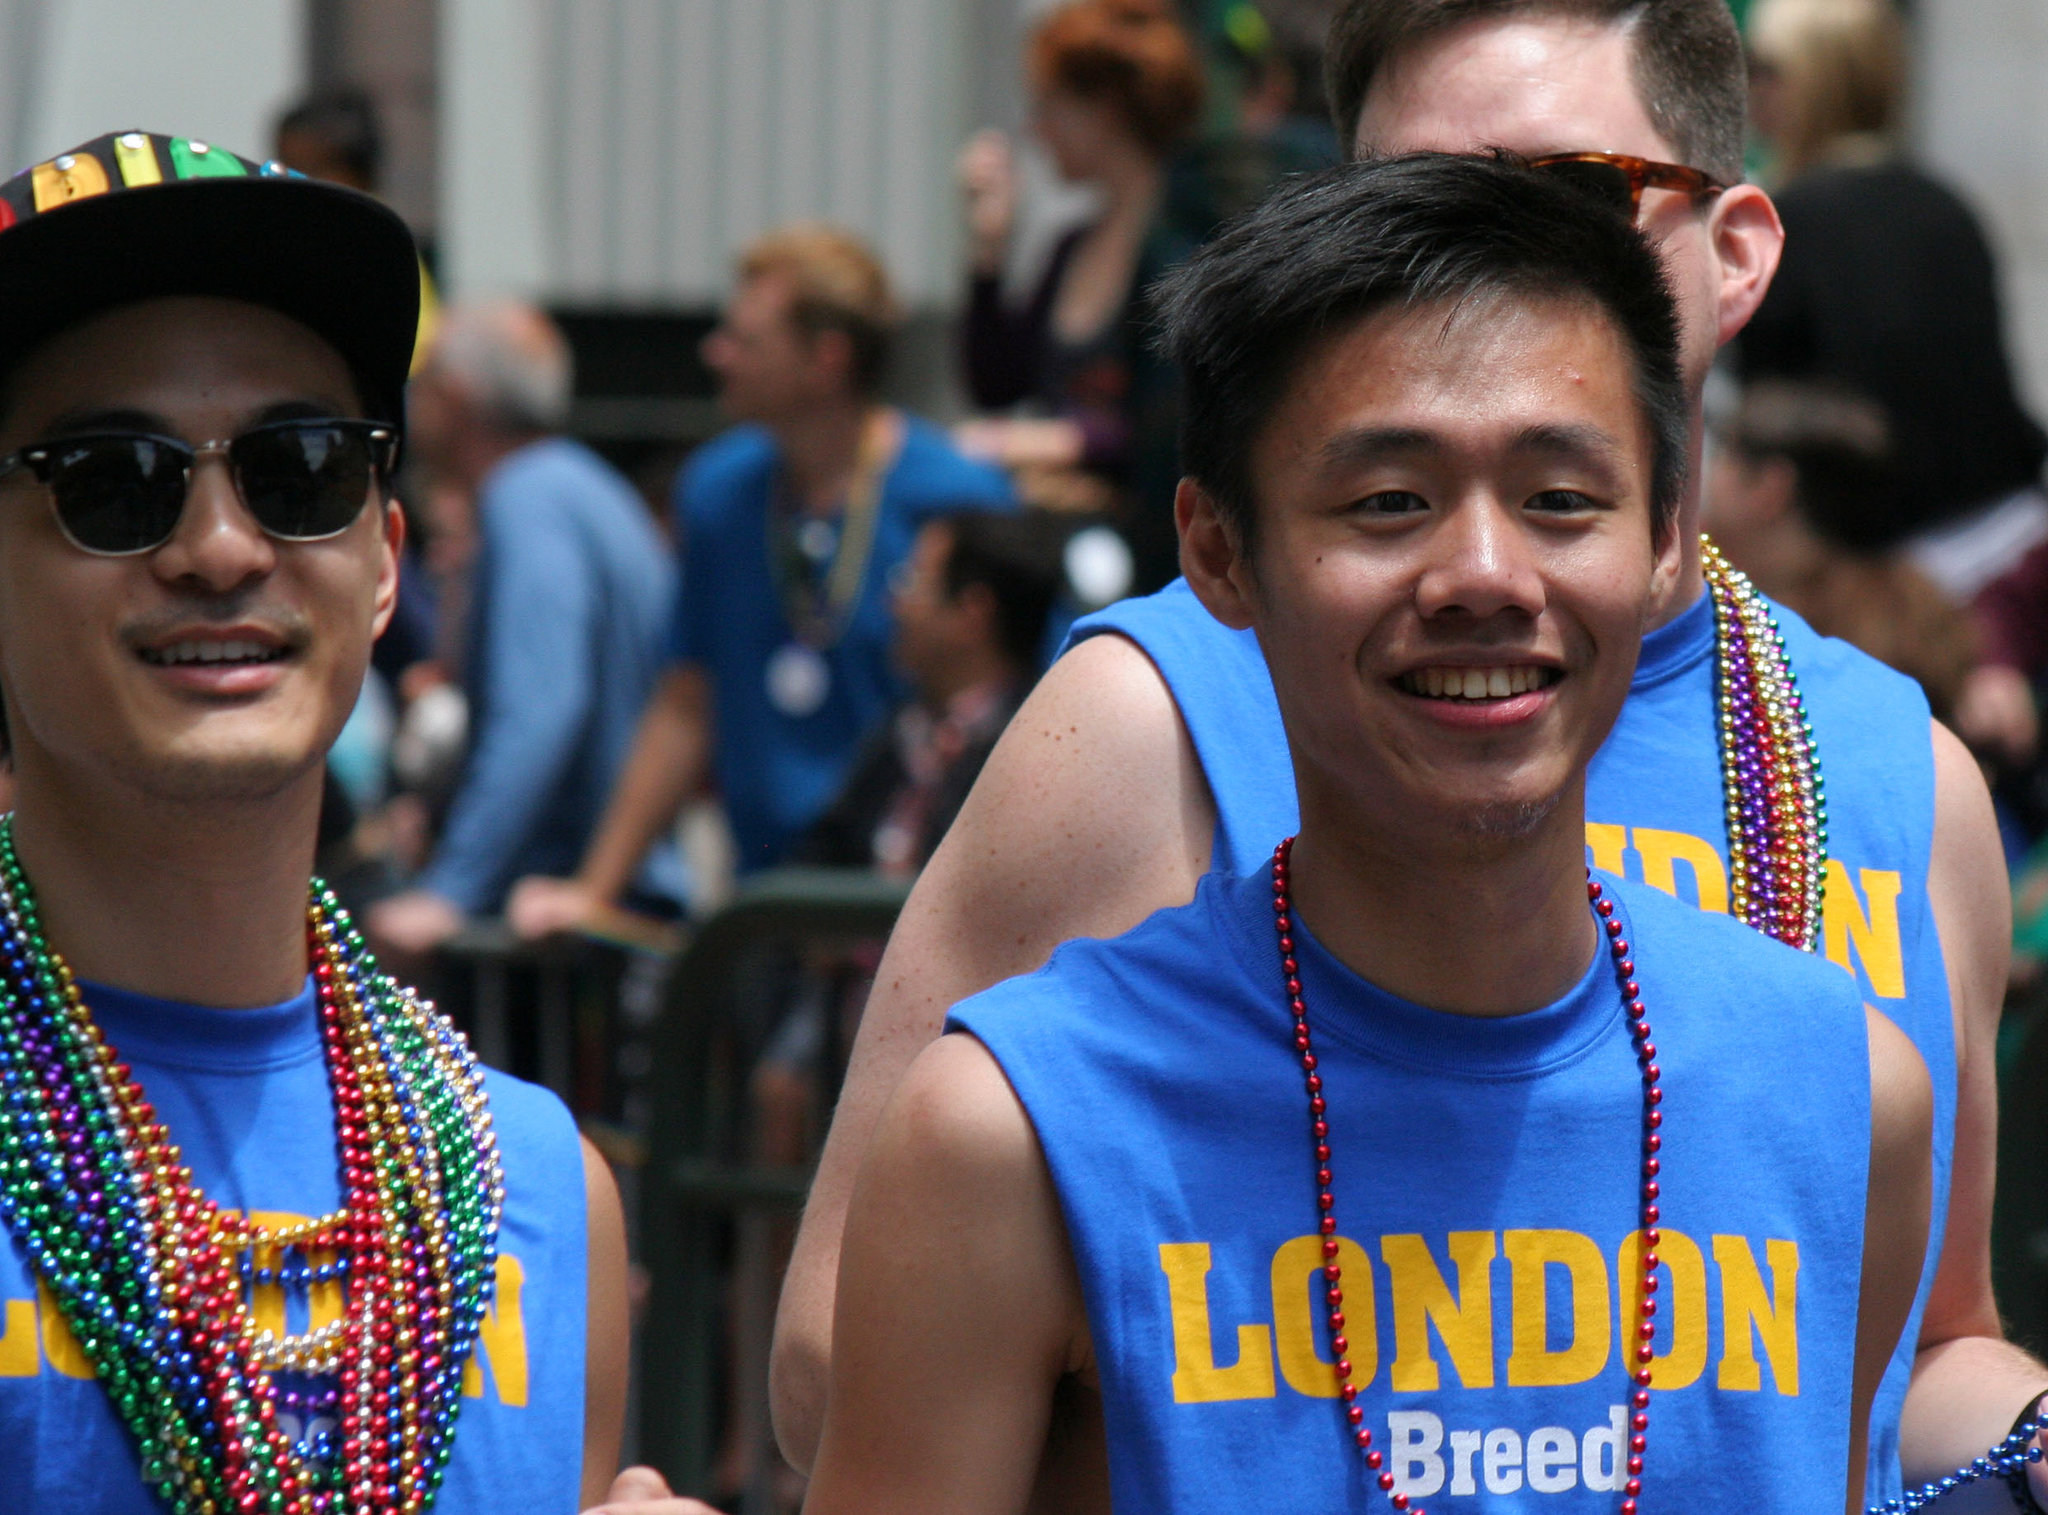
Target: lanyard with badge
<point x="819" y="567"/>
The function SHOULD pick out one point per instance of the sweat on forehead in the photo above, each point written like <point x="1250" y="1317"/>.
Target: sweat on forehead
<point x="1242" y="317"/>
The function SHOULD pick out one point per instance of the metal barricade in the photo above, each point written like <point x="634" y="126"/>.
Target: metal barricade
<point x="548" y="1010"/>
<point x="693" y="1182"/>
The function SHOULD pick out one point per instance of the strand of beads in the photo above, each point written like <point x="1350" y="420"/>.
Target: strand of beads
<point x="2008" y="1460"/>
<point x="1650" y="1210"/>
<point x="152" y="1276"/>
<point x="1773" y="794"/>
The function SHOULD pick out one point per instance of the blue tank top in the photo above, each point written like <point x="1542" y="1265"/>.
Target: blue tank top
<point x="245" y="1094"/>
<point x="1486" y="1176"/>
<point x="1654" y="815"/>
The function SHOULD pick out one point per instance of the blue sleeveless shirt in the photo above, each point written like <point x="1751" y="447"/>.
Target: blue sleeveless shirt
<point x="1486" y="1175"/>
<point x="1654" y="814"/>
<point x="245" y="1094"/>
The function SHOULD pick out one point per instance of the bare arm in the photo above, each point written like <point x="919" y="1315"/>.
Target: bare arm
<point x="1968" y="1382"/>
<point x="670" y="760"/>
<point x="1898" y="1197"/>
<point x="960" y="1308"/>
<point x="1091" y="814"/>
<point x="607" y="1330"/>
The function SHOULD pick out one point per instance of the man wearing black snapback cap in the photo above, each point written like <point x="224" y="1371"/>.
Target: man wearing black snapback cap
<point x="272" y="1239"/>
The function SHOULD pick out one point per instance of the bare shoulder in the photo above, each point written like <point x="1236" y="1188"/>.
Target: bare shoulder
<point x="1091" y="813"/>
<point x="955" y="1200"/>
<point x="1097" y="763"/>
<point x="953" y="1117"/>
<point x="1968" y="889"/>
<point x="1966" y="874"/>
<point x="1901" y="1093"/>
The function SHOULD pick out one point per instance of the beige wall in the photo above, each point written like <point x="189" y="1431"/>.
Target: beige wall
<point x="621" y="151"/>
<point x="217" y="70"/>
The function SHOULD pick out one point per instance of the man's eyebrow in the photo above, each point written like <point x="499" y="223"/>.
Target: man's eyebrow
<point x="301" y="410"/>
<point x="85" y="420"/>
<point x="1573" y="442"/>
<point x="1372" y="444"/>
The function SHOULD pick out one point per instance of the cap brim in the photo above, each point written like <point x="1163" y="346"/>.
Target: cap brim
<point x="332" y="259"/>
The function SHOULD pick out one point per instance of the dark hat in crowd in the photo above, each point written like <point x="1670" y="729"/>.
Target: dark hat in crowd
<point x="136" y="216"/>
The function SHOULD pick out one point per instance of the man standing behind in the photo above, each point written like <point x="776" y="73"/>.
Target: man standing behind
<point x="791" y="523"/>
<point x="571" y="585"/>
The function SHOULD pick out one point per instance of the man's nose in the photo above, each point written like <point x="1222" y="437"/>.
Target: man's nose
<point x="217" y="542"/>
<point x="1480" y="563"/>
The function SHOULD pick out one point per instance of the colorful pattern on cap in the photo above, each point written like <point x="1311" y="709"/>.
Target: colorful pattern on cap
<point x="119" y="162"/>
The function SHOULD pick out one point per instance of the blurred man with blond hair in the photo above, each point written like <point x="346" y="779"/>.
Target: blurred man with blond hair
<point x="791" y="524"/>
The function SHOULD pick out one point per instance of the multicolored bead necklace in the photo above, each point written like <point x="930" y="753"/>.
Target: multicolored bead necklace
<point x="1775" y="800"/>
<point x="1650" y="1211"/>
<point x="150" y="1273"/>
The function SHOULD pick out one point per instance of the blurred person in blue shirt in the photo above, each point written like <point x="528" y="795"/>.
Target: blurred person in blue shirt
<point x="571" y="588"/>
<point x="791" y="525"/>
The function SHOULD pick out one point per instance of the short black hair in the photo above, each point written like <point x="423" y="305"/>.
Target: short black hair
<point x="1689" y="67"/>
<point x="1019" y="559"/>
<point x="344" y="121"/>
<point x="1428" y="229"/>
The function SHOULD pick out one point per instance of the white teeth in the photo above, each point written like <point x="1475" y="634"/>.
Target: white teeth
<point x="1475" y="683"/>
<point x="237" y="651"/>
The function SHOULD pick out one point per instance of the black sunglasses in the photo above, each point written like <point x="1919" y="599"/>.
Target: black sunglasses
<point x="119" y="493"/>
<point x="1618" y="179"/>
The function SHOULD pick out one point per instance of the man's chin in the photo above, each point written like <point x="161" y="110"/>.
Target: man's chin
<point x="193" y="776"/>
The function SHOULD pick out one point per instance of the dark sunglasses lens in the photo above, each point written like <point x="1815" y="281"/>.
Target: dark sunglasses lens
<point x="1606" y="182"/>
<point x="304" y="481"/>
<point x="117" y="494"/>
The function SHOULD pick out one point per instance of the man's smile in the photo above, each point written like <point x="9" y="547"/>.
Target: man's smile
<point x="1498" y="682"/>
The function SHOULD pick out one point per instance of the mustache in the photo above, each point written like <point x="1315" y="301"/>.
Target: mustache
<point x="290" y="626"/>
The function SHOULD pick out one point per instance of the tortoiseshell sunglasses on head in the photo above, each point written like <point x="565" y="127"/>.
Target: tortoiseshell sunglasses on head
<point x="1618" y="179"/>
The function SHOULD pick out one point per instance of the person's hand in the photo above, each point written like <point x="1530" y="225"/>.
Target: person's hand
<point x="642" y="1491"/>
<point x="413" y="924"/>
<point x="1995" y="714"/>
<point x="542" y="906"/>
<point x="988" y="178"/>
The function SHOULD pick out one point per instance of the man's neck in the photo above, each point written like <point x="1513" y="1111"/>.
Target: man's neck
<point x="199" y="902"/>
<point x="821" y="449"/>
<point x="1481" y="926"/>
<point x="484" y="449"/>
<point x="1691" y="581"/>
<point x="1684" y="590"/>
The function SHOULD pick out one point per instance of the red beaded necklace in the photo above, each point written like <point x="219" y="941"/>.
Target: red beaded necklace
<point x="1653" y="1096"/>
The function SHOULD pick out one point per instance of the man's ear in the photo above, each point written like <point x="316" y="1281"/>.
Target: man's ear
<point x="1748" y="240"/>
<point x="1212" y="558"/>
<point x="391" y="548"/>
